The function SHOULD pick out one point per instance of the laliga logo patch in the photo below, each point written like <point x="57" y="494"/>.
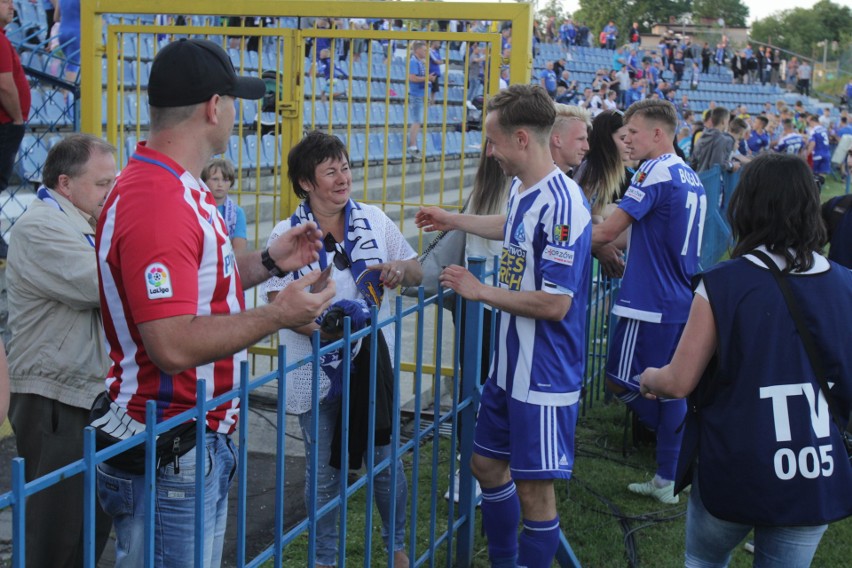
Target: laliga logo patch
<point x="158" y="281"/>
<point x="639" y="178"/>
<point x="561" y="233"/>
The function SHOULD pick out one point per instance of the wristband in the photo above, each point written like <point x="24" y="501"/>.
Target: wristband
<point x="270" y="265"/>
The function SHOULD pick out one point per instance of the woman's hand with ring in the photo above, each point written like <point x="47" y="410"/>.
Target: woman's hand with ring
<point x="392" y="273"/>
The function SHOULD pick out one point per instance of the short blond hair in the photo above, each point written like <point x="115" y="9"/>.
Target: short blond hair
<point x="572" y="112"/>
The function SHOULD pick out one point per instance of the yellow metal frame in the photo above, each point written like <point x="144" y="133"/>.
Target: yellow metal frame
<point x="290" y="102"/>
<point x="92" y="48"/>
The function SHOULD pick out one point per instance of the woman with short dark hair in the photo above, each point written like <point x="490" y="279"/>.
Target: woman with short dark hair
<point x="367" y="256"/>
<point x="763" y="443"/>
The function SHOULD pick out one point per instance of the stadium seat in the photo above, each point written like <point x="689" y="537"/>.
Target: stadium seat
<point x="396" y="146"/>
<point x="377" y="147"/>
<point x="235" y="149"/>
<point x="356" y="148"/>
<point x="433" y="145"/>
<point x="359" y="115"/>
<point x="271" y="144"/>
<point x="397" y="115"/>
<point x="255" y="151"/>
<point x="249" y="115"/>
<point x="32" y="154"/>
<point x="377" y="114"/>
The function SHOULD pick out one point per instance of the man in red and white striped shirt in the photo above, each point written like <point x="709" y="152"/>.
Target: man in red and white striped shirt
<point x="172" y="299"/>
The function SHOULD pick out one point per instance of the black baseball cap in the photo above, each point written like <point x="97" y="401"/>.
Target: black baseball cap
<point x="190" y="71"/>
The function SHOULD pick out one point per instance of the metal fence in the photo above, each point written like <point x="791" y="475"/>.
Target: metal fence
<point x="441" y="532"/>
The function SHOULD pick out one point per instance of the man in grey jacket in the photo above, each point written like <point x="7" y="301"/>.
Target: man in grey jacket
<point x="57" y="351"/>
<point x="715" y="146"/>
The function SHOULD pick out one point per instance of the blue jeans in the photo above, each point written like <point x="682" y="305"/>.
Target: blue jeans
<point x="710" y="541"/>
<point x="328" y="486"/>
<point x="122" y="496"/>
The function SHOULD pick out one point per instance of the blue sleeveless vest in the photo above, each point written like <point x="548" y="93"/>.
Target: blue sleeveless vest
<point x="769" y="452"/>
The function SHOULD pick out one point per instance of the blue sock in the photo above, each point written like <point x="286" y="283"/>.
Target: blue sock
<point x="669" y="436"/>
<point x="501" y="513"/>
<point x="648" y="411"/>
<point x="538" y="543"/>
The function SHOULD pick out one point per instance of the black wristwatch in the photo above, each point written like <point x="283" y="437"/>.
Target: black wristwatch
<point x="270" y="265"/>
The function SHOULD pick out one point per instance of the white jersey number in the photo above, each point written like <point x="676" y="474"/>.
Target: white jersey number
<point x="694" y="205"/>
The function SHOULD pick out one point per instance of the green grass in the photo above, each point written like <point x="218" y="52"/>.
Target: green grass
<point x="605" y="524"/>
<point x="833" y="188"/>
<point x="597" y="510"/>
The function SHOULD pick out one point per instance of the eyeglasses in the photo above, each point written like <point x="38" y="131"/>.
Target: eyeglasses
<point x="341" y="259"/>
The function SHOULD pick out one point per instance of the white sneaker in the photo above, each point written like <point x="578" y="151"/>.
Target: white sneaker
<point x="455" y="483"/>
<point x="663" y="494"/>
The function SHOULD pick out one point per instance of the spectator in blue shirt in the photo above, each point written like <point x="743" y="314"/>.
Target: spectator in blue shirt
<point x="417" y="78"/>
<point x="611" y="31"/>
<point x="568" y="34"/>
<point x="636" y="92"/>
<point x="758" y="139"/>
<point x="843" y="128"/>
<point x="548" y="79"/>
<point x="219" y="175"/>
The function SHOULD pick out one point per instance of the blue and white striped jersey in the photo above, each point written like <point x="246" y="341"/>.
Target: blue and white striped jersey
<point x="822" y="150"/>
<point x="790" y="143"/>
<point x="546" y="246"/>
<point x="668" y="205"/>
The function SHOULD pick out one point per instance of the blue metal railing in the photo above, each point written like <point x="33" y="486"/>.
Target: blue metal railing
<point x="456" y="540"/>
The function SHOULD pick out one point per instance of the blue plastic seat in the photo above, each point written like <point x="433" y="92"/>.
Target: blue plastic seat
<point x="254" y="151"/>
<point x="32" y="154"/>
<point x="377" y="147"/>
<point x="356" y="148"/>
<point x="396" y="146"/>
<point x="377" y="114"/>
<point x="271" y="144"/>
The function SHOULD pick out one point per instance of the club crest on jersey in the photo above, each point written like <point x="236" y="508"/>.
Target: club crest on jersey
<point x="639" y="177"/>
<point x="561" y="233"/>
<point x="158" y="282"/>
<point x="520" y="234"/>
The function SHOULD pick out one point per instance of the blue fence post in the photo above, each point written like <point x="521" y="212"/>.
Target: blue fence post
<point x="280" y="461"/>
<point x="89" y="496"/>
<point x="150" y="474"/>
<point x="19" y="513"/>
<point x="344" y="441"/>
<point x="200" y="465"/>
<point x="469" y="392"/>
<point x="242" y="464"/>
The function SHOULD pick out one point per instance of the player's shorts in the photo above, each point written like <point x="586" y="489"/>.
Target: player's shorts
<point x="537" y="441"/>
<point x="822" y="165"/>
<point x="637" y="345"/>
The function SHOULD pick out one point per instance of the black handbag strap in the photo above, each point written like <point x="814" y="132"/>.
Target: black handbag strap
<point x="440" y="236"/>
<point x="799" y="321"/>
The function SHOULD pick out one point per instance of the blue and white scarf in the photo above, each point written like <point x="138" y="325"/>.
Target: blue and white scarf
<point x="230" y="215"/>
<point x="363" y="251"/>
<point x="44" y="195"/>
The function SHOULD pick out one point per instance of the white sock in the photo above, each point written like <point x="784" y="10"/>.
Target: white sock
<point x="660" y="482"/>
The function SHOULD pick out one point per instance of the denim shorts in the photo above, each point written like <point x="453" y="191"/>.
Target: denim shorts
<point x="415" y="110"/>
